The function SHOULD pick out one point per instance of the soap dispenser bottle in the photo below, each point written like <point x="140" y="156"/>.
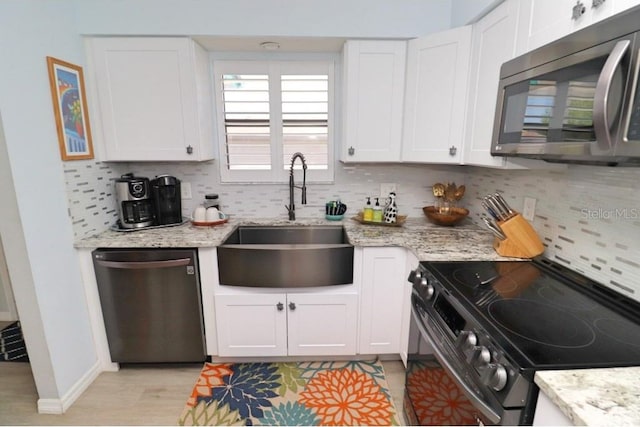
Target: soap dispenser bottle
<point x="377" y="212"/>
<point x="367" y="212"/>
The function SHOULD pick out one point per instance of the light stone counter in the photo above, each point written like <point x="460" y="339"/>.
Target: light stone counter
<point x="598" y="397"/>
<point x="428" y="241"/>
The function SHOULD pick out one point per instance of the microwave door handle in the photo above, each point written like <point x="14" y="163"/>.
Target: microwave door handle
<point x="601" y="96"/>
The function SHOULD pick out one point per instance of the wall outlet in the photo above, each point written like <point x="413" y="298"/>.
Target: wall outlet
<point x="185" y="190"/>
<point x="387" y="188"/>
<point x="529" y="208"/>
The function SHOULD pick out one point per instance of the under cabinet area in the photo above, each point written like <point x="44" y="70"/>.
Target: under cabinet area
<point x="153" y="98"/>
<point x="286" y="324"/>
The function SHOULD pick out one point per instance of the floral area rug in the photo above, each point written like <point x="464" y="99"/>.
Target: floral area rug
<point x="436" y="399"/>
<point x="302" y="393"/>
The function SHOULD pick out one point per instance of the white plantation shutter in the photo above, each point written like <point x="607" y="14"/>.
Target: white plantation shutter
<point x="305" y="116"/>
<point x="269" y="111"/>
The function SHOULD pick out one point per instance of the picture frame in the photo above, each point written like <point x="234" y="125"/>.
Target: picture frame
<point x="68" y="93"/>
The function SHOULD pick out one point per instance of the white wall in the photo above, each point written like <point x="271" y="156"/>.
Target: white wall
<point x="35" y="223"/>
<point x="298" y="18"/>
<point x="465" y="12"/>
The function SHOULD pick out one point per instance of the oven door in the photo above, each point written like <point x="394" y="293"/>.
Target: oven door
<point x="439" y="389"/>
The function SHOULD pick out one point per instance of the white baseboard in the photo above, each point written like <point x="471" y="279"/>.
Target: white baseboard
<point x="60" y="406"/>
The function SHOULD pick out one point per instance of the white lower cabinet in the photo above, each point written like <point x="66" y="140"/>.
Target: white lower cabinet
<point x="286" y="324"/>
<point x="410" y="264"/>
<point x="382" y="298"/>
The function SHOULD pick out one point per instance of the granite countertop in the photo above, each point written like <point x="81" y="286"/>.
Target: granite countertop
<point x="599" y="397"/>
<point x="428" y="241"/>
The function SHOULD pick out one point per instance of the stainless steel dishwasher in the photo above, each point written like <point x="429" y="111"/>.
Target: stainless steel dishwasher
<point x="151" y="304"/>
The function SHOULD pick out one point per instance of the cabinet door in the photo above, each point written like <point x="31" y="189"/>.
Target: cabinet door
<point x="153" y="98"/>
<point x="251" y="324"/>
<point x="493" y="44"/>
<point x="322" y="324"/>
<point x="411" y="264"/>
<point x="543" y="21"/>
<point x="437" y="71"/>
<point x="373" y="100"/>
<point x="382" y="298"/>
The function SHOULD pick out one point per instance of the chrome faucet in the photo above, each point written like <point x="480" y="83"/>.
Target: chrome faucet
<point x="292" y="208"/>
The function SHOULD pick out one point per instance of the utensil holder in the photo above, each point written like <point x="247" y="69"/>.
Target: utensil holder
<point x="522" y="240"/>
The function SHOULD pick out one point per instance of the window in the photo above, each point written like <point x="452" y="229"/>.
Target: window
<point x="269" y="110"/>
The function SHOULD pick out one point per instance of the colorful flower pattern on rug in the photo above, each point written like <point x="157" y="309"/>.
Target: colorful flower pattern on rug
<point x="344" y="398"/>
<point x="307" y="393"/>
<point x="438" y="400"/>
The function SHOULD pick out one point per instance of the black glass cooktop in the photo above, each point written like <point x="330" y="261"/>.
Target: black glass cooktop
<point x="553" y="317"/>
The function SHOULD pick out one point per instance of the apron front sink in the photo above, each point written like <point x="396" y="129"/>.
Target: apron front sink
<point x="286" y="257"/>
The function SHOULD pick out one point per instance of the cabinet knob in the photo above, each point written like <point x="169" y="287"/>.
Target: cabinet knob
<point x="597" y="3"/>
<point x="453" y="150"/>
<point x="189" y="149"/>
<point x="578" y="10"/>
<point x="351" y="151"/>
<point x="280" y="306"/>
<point x="292" y="306"/>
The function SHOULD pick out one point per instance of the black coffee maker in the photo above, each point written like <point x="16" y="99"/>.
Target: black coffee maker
<point x="165" y="192"/>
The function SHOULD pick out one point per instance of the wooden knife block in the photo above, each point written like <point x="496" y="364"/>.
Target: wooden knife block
<point x="522" y="240"/>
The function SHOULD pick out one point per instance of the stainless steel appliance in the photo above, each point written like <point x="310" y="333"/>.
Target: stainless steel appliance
<point x="133" y="197"/>
<point x="576" y="99"/>
<point x="481" y="330"/>
<point x="151" y="304"/>
<point x="167" y="199"/>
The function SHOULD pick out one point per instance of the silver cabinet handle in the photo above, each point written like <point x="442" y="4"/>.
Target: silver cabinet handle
<point x="139" y="265"/>
<point x="578" y="10"/>
<point x="601" y="95"/>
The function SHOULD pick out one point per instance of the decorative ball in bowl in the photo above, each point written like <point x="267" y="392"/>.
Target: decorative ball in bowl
<point x="449" y="216"/>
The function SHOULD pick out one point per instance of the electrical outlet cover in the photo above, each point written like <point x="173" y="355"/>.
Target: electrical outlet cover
<point x="185" y="190"/>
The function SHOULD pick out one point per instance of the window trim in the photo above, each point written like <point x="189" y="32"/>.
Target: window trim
<point x="279" y="173"/>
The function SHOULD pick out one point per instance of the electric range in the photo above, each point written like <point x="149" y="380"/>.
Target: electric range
<point x="491" y="325"/>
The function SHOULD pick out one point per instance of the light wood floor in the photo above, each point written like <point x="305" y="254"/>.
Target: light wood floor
<point x="133" y="396"/>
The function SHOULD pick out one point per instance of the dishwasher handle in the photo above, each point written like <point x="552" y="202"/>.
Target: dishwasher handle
<point x="139" y="265"/>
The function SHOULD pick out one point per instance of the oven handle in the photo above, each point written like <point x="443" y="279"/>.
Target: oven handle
<point x="476" y="401"/>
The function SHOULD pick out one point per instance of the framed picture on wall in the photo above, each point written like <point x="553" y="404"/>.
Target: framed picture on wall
<point x="70" y="109"/>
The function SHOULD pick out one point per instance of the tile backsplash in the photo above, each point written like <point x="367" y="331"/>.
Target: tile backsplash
<point x="93" y="205"/>
<point x="352" y="185"/>
<point x="588" y="217"/>
<point x="90" y="189"/>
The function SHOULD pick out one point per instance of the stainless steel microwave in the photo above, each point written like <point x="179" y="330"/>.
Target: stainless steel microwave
<point x="575" y="100"/>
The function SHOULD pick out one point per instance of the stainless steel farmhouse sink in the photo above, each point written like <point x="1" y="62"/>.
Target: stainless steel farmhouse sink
<point x="286" y="257"/>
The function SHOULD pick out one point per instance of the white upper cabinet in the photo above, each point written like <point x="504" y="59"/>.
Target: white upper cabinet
<point x="153" y="98"/>
<point x="434" y="116"/>
<point x="374" y="76"/>
<point x="493" y="44"/>
<point x="543" y="21"/>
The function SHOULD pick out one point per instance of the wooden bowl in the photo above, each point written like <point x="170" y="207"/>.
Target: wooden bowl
<point x="454" y="216"/>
